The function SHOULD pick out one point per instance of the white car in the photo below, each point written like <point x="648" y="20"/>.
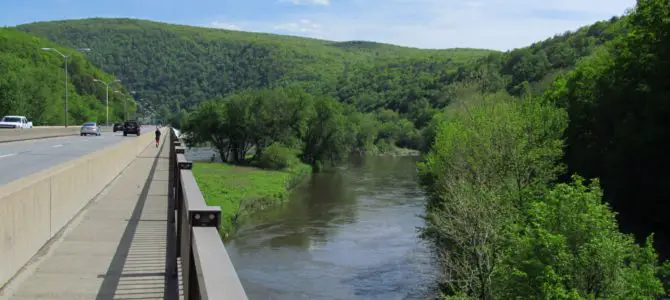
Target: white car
<point x="15" y="122"/>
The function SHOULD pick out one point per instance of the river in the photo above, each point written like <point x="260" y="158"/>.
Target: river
<point x="346" y="234"/>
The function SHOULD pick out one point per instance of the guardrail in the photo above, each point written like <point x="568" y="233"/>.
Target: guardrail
<point x="207" y="272"/>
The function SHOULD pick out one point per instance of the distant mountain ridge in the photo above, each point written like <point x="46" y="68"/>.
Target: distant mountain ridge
<point x="177" y="66"/>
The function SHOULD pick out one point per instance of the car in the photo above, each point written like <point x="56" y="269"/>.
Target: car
<point x="132" y="127"/>
<point x="117" y="127"/>
<point x="15" y="122"/>
<point x="90" y="128"/>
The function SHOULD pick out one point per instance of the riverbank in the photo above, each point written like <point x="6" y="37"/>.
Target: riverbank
<point x="346" y="233"/>
<point x="241" y="190"/>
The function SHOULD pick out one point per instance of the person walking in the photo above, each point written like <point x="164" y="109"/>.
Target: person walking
<point x="158" y="136"/>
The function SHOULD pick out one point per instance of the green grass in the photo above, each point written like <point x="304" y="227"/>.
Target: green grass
<point x="238" y="190"/>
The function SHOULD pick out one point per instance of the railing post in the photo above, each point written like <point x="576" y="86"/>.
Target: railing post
<point x="171" y="265"/>
<point x="209" y="217"/>
<point x="179" y="196"/>
<point x="183" y="227"/>
<point x="173" y="164"/>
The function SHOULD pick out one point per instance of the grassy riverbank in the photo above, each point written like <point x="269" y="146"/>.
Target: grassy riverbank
<point x="241" y="190"/>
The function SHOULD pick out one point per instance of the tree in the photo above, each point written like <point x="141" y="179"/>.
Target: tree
<point x="618" y="108"/>
<point x="31" y="82"/>
<point x="325" y="140"/>
<point x="486" y="158"/>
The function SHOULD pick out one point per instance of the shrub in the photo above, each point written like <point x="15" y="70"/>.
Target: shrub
<point x="277" y="157"/>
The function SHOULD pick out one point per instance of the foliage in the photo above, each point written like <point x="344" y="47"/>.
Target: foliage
<point x="32" y="83"/>
<point x="181" y="66"/>
<point x="532" y="69"/>
<point x="242" y="126"/>
<point x="618" y="106"/>
<point x="277" y="157"/>
<point x="175" y="68"/>
<point x="499" y="227"/>
<point x="486" y="156"/>
<point x="571" y="248"/>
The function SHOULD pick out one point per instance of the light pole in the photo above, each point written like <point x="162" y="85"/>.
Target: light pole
<point x="125" y="110"/>
<point x="65" y="57"/>
<point x="106" y="95"/>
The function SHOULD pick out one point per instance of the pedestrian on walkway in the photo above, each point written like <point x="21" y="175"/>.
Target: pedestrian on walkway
<point x="158" y="136"/>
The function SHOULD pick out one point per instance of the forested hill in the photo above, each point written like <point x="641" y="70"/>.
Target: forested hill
<point x="534" y="68"/>
<point x="186" y="65"/>
<point x="179" y="66"/>
<point x="32" y="82"/>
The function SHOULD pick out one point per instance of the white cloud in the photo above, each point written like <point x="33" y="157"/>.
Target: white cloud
<point x="223" y="25"/>
<point x="307" y="2"/>
<point x="492" y="24"/>
<point x="302" y="26"/>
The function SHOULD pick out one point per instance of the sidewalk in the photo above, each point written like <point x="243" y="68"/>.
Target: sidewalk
<point x="115" y="249"/>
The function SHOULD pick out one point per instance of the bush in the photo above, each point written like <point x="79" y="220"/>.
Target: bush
<point x="502" y="229"/>
<point x="277" y="157"/>
<point x="571" y="248"/>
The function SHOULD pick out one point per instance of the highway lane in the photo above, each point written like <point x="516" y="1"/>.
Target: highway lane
<point x="19" y="159"/>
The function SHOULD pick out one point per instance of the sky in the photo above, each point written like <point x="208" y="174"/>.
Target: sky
<point x="490" y="24"/>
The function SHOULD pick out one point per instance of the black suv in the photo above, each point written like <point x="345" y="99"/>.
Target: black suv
<point x="132" y="127"/>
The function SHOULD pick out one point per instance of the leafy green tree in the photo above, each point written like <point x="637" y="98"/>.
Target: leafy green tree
<point x="499" y="228"/>
<point x="32" y="83"/>
<point x="278" y="157"/>
<point x="486" y="157"/>
<point x="325" y="140"/>
<point x="571" y="248"/>
<point x="242" y="127"/>
<point x="618" y="108"/>
<point x="208" y="126"/>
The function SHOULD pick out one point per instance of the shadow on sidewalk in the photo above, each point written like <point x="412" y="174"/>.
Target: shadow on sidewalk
<point x="133" y="271"/>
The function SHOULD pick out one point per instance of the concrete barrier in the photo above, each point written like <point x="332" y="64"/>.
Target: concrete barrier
<point x="11" y="135"/>
<point x="41" y="132"/>
<point x="35" y="208"/>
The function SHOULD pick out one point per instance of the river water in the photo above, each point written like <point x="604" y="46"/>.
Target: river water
<point x="346" y="234"/>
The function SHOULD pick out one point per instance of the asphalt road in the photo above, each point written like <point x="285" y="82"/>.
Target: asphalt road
<point x="19" y="159"/>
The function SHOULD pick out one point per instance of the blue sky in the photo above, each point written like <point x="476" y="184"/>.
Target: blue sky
<point x="493" y="24"/>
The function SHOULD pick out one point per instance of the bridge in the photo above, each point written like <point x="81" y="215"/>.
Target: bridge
<point x="107" y="217"/>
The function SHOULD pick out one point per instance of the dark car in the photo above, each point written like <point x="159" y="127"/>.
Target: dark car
<point x="131" y="127"/>
<point x="117" y="127"/>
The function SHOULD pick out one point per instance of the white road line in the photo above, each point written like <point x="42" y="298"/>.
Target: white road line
<point x="7" y="155"/>
<point x="57" y="146"/>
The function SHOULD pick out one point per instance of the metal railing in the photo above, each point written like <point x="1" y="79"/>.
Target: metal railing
<point x="207" y="272"/>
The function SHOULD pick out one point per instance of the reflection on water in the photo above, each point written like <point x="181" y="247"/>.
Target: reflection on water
<point x="347" y="234"/>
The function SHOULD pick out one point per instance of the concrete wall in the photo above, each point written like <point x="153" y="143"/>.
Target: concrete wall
<point x="35" y="208"/>
<point x="8" y="135"/>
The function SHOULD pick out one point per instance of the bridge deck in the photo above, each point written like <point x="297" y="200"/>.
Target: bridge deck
<point x="115" y="249"/>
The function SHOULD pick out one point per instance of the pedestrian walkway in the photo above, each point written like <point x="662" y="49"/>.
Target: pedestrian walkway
<point x="115" y="249"/>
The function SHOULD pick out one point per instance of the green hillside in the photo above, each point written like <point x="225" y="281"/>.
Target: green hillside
<point x="32" y="83"/>
<point x="174" y="66"/>
<point x="169" y="64"/>
<point x="539" y="161"/>
<point x="532" y="69"/>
